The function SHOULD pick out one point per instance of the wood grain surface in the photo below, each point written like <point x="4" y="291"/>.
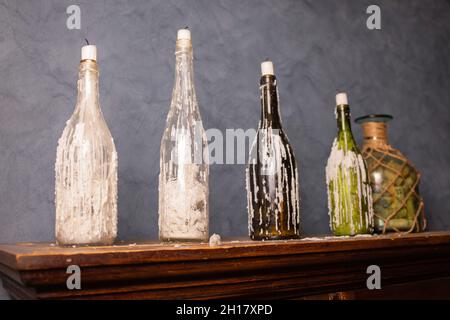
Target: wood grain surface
<point x="236" y="269"/>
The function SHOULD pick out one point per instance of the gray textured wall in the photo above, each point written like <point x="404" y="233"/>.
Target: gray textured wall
<point x="318" y="47"/>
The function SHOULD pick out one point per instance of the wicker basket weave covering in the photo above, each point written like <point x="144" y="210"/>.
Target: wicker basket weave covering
<point x="397" y="204"/>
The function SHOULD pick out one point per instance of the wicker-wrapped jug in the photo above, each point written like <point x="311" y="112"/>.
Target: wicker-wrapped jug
<point x="398" y="206"/>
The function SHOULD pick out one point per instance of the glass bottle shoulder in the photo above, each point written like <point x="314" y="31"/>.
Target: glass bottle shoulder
<point x="87" y="125"/>
<point x="271" y="143"/>
<point x="346" y="141"/>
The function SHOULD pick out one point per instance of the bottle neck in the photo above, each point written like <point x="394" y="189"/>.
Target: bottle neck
<point x="343" y="118"/>
<point x="375" y="134"/>
<point x="270" y="114"/>
<point x="345" y="135"/>
<point x="184" y="90"/>
<point x="88" y="89"/>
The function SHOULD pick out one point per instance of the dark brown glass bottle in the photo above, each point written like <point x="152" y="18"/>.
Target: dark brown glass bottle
<point x="271" y="174"/>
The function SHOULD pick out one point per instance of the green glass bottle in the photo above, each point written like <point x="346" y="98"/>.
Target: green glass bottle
<point x="271" y="173"/>
<point x="349" y="192"/>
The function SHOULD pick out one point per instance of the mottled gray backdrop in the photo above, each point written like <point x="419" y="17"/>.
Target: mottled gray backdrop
<point x="318" y="47"/>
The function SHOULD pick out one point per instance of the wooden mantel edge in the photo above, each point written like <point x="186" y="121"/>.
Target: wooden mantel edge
<point x="235" y="269"/>
<point x="40" y="256"/>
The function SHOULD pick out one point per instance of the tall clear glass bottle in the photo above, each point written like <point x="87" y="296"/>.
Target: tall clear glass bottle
<point x="86" y="167"/>
<point x="349" y="192"/>
<point x="271" y="174"/>
<point x="184" y="169"/>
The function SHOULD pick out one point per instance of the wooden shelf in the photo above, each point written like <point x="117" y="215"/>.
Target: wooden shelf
<point x="235" y="269"/>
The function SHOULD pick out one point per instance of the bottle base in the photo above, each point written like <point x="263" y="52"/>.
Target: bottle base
<point x="274" y="238"/>
<point x="396" y="225"/>
<point x="180" y="240"/>
<point x="352" y="234"/>
<point x="85" y="244"/>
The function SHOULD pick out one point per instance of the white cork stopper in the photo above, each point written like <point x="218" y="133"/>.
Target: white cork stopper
<point x="267" y="68"/>
<point x="89" y="52"/>
<point x="184" y="34"/>
<point x="341" y="98"/>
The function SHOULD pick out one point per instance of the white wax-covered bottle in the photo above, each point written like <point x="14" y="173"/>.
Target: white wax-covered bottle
<point x="271" y="173"/>
<point x="86" y="167"/>
<point x="349" y="192"/>
<point x="184" y="169"/>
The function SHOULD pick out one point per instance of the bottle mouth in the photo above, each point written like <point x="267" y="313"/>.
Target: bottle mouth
<point x="374" y="118"/>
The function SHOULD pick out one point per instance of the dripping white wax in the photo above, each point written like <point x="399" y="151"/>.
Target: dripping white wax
<point x="275" y="154"/>
<point x="347" y="162"/>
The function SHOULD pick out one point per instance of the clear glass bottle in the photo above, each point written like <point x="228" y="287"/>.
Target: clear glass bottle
<point x="349" y="192"/>
<point x="86" y="167"/>
<point x="397" y="204"/>
<point x="184" y="168"/>
<point x="271" y="174"/>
